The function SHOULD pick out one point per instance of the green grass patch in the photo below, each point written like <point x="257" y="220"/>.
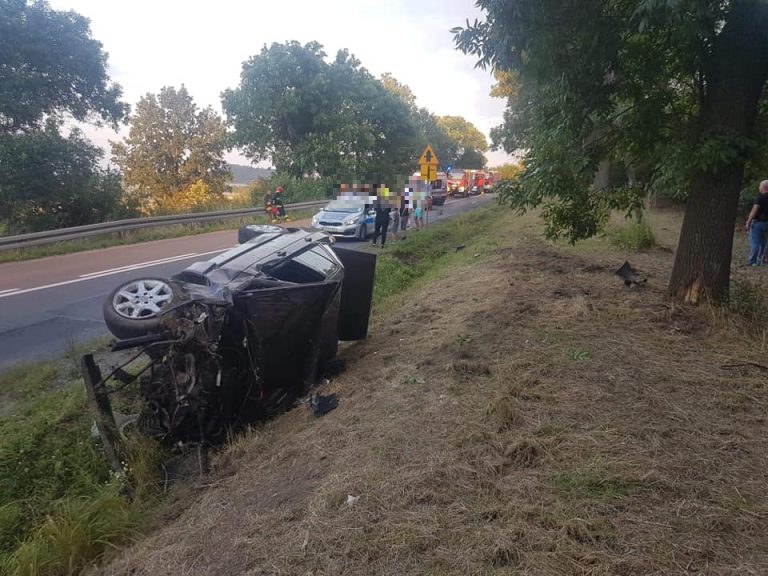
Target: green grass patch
<point x="75" y="532"/>
<point x="426" y="252"/>
<point x="637" y="235"/>
<point x="596" y="486"/>
<point x="138" y="236"/>
<point x="60" y="504"/>
<point x="25" y="383"/>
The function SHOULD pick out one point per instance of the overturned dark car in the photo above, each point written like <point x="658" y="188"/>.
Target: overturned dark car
<point x="241" y="336"/>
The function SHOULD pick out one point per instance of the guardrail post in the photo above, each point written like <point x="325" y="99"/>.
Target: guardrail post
<point x="105" y="419"/>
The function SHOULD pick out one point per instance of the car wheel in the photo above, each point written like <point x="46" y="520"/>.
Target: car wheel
<point x="135" y="308"/>
<point x="361" y="232"/>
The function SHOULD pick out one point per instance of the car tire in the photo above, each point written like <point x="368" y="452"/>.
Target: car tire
<point x="135" y="308"/>
<point x="362" y="232"/>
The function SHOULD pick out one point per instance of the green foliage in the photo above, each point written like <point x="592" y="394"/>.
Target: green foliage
<point x="430" y="132"/>
<point x="46" y="453"/>
<point x="295" y="189"/>
<point x="635" y="92"/>
<point x="48" y="181"/>
<point x="60" y="506"/>
<point x="77" y="531"/>
<point x="51" y="67"/>
<point x="52" y="70"/>
<point x="637" y="236"/>
<point x="312" y="117"/>
<point x="172" y="159"/>
<point x="578" y="355"/>
<point x="468" y="141"/>
<point x="400" y="90"/>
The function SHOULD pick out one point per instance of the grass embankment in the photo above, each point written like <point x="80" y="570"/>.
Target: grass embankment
<point x="425" y="254"/>
<point x="516" y="411"/>
<point x="136" y="237"/>
<point x="60" y="506"/>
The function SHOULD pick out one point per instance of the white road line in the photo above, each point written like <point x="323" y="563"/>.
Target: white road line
<point x="101" y="274"/>
<point x="9" y="290"/>
<point x="139" y="265"/>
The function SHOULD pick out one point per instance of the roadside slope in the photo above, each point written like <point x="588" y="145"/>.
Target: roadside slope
<point x="523" y="413"/>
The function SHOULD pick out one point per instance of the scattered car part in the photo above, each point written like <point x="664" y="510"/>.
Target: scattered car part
<point x="628" y="275"/>
<point x="321" y="405"/>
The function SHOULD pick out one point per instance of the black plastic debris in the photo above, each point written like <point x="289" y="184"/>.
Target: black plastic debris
<point x="321" y="405"/>
<point x="629" y="276"/>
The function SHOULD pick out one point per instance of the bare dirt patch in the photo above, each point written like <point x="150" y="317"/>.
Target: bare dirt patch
<point x="541" y="419"/>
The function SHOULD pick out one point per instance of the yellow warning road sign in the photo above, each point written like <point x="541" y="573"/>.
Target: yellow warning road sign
<point x="428" y="157"/>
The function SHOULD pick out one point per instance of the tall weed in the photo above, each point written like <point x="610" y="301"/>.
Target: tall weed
<point x="636" y="236"/>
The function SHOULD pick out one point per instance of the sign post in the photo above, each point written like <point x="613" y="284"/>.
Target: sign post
<point x="428" y="164"/>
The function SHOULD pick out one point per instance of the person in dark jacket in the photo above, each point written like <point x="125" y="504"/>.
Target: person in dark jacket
<point x="757" y="226"/>
<point x="381" y="223"/>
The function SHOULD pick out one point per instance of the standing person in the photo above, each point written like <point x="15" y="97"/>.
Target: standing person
<point x="418" y="214"/>
<point x="395" y="224"/>
<point x="405" y="213"/>
<point x="757" y="226"/>
<point x="381" y="224"/>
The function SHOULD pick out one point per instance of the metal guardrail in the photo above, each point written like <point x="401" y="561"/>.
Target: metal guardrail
<point x="76" y="232"/>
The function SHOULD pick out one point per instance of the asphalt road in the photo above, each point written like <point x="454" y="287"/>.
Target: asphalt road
<point x="51" y="304"/>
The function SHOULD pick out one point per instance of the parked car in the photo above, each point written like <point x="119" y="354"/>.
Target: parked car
<point x="345" y="218"/>
<point x="238" y="337"/>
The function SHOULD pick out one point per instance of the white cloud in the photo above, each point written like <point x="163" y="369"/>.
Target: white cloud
<point x="202" y="45"/>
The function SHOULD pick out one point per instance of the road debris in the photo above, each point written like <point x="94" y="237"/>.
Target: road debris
<point x="352" y="500"/>
<point x="629" y="276"/>
<point x="321" y="405"/>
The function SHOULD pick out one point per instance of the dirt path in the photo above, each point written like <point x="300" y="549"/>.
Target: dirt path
<point x="541" y="420"/>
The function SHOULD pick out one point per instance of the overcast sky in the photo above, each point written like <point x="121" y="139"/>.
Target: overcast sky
<point x="202" y="45"/>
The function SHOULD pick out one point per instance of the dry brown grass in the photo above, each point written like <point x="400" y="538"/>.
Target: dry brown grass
<point x="543" y="420"/>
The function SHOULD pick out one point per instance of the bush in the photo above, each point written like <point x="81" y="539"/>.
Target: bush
<point x="296" y="190"/>
<point x="637" y="236"/>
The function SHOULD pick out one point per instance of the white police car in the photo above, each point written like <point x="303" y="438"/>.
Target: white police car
<point x="346" y="218"/>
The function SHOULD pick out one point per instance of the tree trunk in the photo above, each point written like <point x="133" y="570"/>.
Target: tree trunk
<point x="735" y="77"/>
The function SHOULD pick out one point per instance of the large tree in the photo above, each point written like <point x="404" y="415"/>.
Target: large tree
<point x="52" y="70"/>
<point x="50" y="66"/>
<point x="672" y="88"/>
<point x="173" y="157"/>
<point x="314" y="117"/>
<point x="469" y="141"/>
<point x="51" y="181"/>
<point x="427" y="124"/>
